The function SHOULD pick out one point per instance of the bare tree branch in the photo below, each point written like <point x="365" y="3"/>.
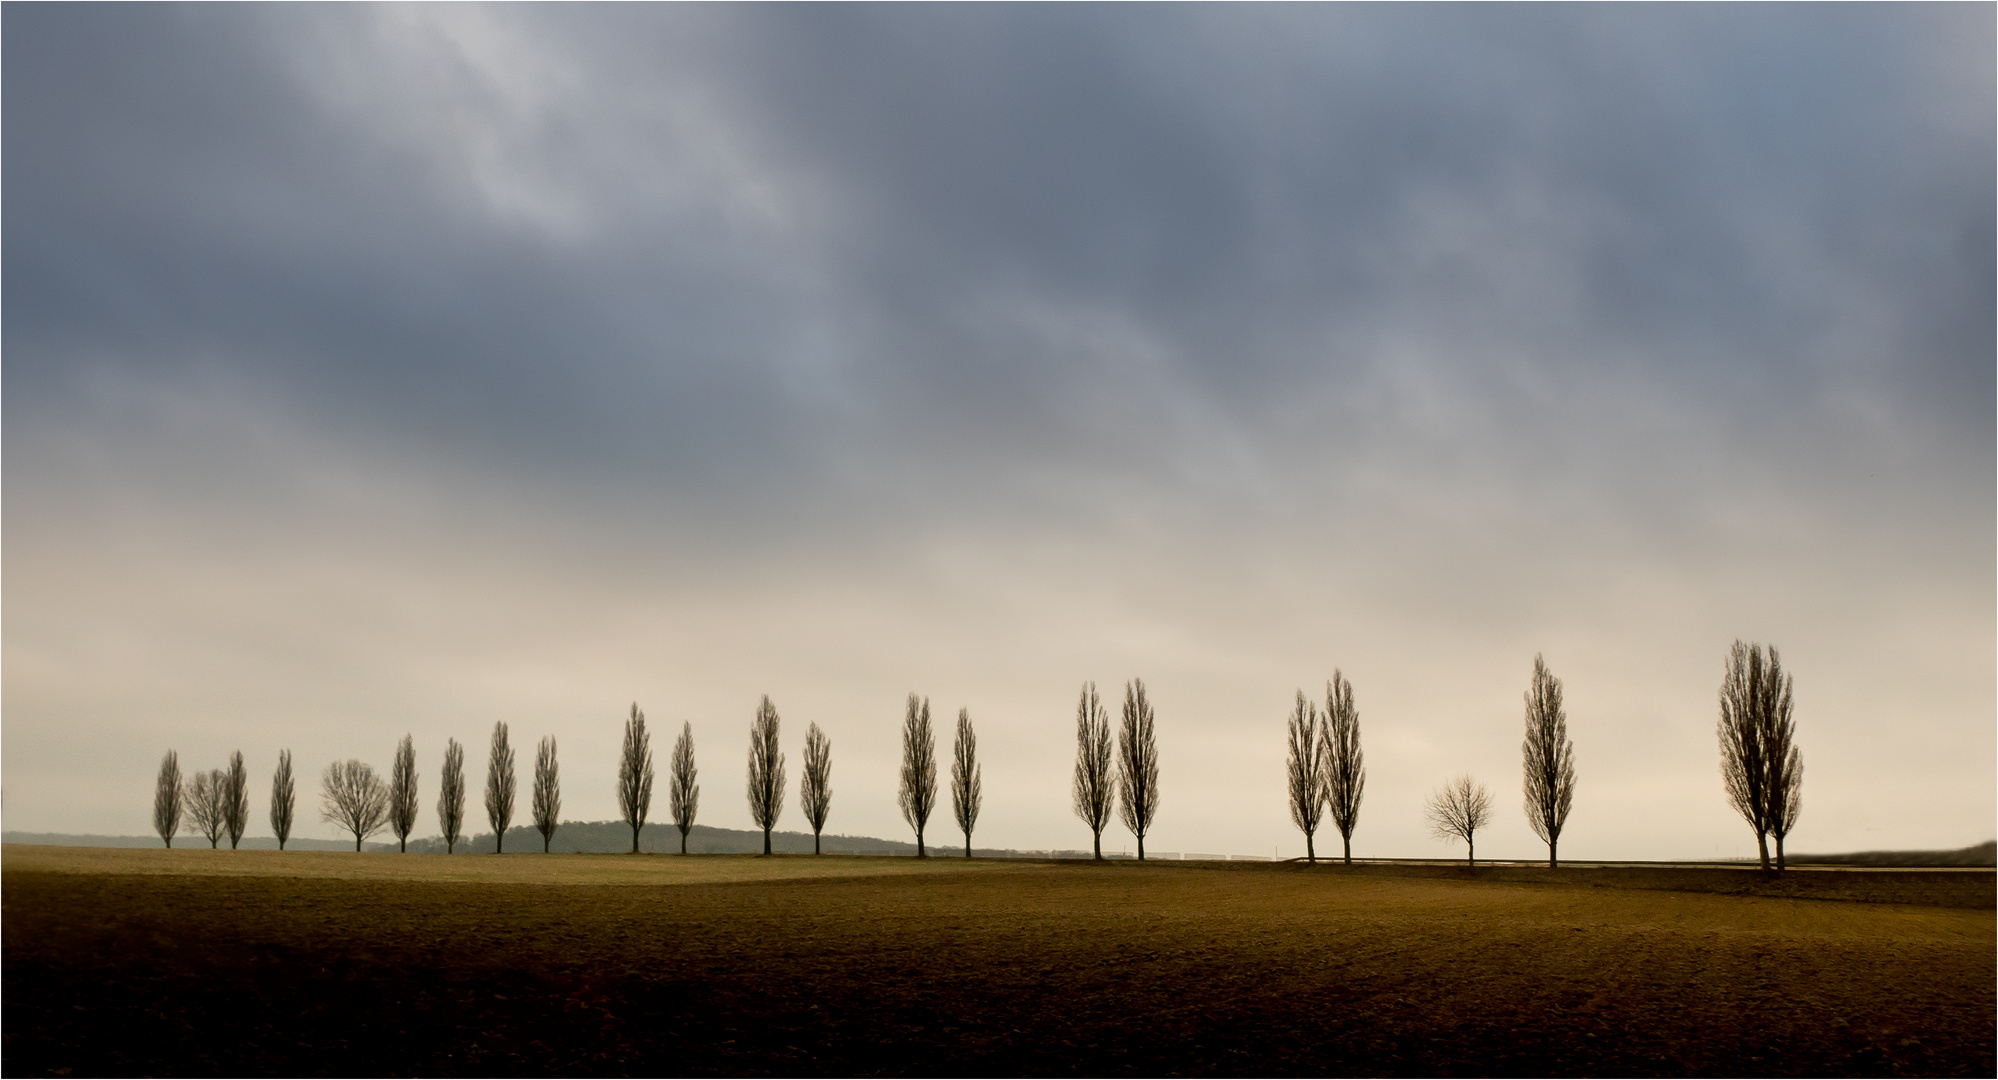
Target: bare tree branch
<point x="547" y="792"/>
<point x="208" y="805"/>
<point x="402" y="793"/>
<point x="1345" y="765"/>
<point x="1548" y="761"/>
<point x="1306" y="772"/>
<point x="684" y="792"/>
<point x="169" y="800"/>
<point x="236" y="800"/>
<point x="1783" y="789"/>
<point x="635" y="775"/>
<point x="918" y="795"/>
<point x="967" y="778"/>
<point x="354" y="798"/>
<point x="499" y="787"/>
<point x="1137" y="764"/>
<point x="451" y="795"/>
<point x="284" y="799"/>
<point x="1095" y="790"/>
<point x="1458" y="810"/>
<point x="815" y="788"/>
<point x="766" y="771"/>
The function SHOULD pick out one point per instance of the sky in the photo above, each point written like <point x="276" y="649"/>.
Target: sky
<point x="385" y="370"/>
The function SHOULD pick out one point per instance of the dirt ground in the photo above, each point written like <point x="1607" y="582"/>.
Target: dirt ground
<point x="136" y="962"/>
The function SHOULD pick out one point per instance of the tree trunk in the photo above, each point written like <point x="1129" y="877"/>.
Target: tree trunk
<point x="357" y="841"/>
<point x="1141" y="848"/>
<point x="1553" y="860"/>
<point x="967" y="844"/>
<point x="683" y="842"/>
<point x="1471" y="852"/>
<point x="634" y="840"/>
<point x="815" y="842"/>
<point x="1779" y="849"/>
<point x="280" y="845"/>
<point x="1348" y="838"/>
<point x="1099" y="847"/>
<point x="1762" y="842"/>
<point x="766" y="841"/>
<point x="1310" y="853"/>
<point x="544" y="842"/>
<point x="920" y="853"/>
<point x="169" y="842"/>
<point x="1780" y="865"/>
<point x="499" y="842"/>
<point x="402" y="844"/>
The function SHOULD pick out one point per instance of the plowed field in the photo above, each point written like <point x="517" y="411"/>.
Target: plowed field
<point x="134" y="962"/>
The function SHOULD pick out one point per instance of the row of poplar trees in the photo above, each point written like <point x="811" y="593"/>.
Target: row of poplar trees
<point x="1762" y="770"/>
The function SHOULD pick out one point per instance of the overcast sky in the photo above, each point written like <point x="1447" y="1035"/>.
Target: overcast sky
<point x="384" y="370"/>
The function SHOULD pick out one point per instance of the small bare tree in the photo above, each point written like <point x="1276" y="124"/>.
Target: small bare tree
<point x="169" y="800"/>
<point x="815" y="788"/>
<point x="1306" y="769"/>
<point x="208" y="804"/>
<point x="1137" y="764"/>
<point x="402" y="793"/>
<point x="236" y="800"/>
<point x="1458" y="810"/>
<point x="1345" y="765"/>
<point x="967" y="778"/>
<point x="499" y="786"/>
<point x="354" y="798"/>
<point x="1549" y="760"/>
<point x="1095" y="789"/>
<point x="684" y="792"/>
<point x="634" y="775"/>
<point x="284" y="799"/>
<point x="451" y="795"/>
<point x="547" y="792"/>
<point x="918" y="794"/>
<point x="766" y="771"/>
<point x="1750" y="693"/>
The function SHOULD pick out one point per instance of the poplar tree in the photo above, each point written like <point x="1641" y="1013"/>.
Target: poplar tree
<point x="815" y="787"/>
<point x="402" y="793"/>
<point x="1306" y="772"/>
<point x="1095" y="787"/>
<point x="918" y="794"/>
<point x="1548" y="759"/>
<point x="967" y="778"/>
<point x="499" y="786"/>
<point x="451" y="795"/>
<point x="547" y="802"/>
<point x="634" y="776"/>
<point x="169" y="800"/>
<point x="236" y="800"/>
<point x="284" y="799"/>
<point x="1137" y="764"/>
<point x="766" y="771"/>
<point x="684" y="792"/>
<point x="1345" y="765"/>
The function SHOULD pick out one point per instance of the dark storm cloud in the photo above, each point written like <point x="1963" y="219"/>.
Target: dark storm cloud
<point x="790" y="229"/>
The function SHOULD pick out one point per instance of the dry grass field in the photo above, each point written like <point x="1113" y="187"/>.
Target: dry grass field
<point x="155" y="962"/>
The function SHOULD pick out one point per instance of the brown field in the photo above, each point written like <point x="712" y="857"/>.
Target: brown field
<point x="148" y="962"/>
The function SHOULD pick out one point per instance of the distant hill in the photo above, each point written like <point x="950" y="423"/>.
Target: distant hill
<point x="1984" y="854"/>
<point x="573" y="836"/>
<point x="255" y="843"/>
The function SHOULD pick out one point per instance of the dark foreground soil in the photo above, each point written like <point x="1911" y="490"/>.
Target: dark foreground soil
<point x="992" y="969"/>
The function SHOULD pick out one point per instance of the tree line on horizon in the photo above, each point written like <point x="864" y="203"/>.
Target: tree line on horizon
<point x="1761" y="771"/>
